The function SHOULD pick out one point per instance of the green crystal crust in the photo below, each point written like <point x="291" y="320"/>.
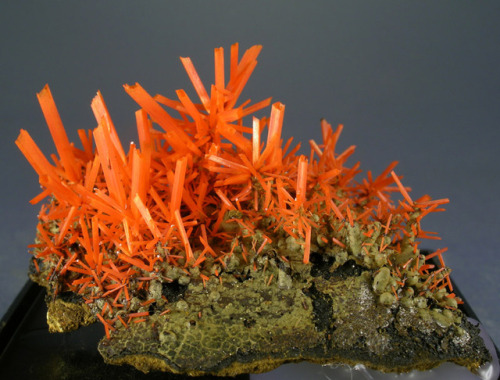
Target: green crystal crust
<point x="333" y="317"/>
<point x="252" y="317"/>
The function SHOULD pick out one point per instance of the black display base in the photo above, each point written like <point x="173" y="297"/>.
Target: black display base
<point x="29" y="351"/>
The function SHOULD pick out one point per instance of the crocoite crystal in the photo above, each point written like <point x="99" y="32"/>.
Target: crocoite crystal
<point x="207" y="182"/>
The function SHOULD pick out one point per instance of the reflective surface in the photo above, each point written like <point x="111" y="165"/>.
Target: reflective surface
<point x="32" y="352"/>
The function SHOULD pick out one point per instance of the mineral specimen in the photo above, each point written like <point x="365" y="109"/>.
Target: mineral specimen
<point x="214" y="248"/>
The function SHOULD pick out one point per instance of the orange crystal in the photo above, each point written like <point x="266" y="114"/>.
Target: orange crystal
<point x="204" y="184"/>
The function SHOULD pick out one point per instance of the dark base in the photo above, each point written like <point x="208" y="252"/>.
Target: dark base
<point x="29" y="351"/>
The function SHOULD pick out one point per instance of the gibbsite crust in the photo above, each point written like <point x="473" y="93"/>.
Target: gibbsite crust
<point x="325" y="313"/>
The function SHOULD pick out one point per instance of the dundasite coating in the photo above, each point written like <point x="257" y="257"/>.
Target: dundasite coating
<point x="323" y="313"/>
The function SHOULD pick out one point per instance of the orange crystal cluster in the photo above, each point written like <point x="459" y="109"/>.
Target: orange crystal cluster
<point x="204" y="184"/>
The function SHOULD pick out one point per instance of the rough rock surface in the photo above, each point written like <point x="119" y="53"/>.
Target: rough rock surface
<point x="250" y="326"/>
<point x="258" y="320"/>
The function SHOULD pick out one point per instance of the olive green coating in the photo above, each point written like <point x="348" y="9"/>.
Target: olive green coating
<point x="64" y="315"/>
<point x="65" y="312"/>
<point x="247" y="326"/>
<point x="342" y="307"/>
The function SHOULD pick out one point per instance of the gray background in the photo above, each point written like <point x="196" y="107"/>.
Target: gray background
<point x="417" y="82"/>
